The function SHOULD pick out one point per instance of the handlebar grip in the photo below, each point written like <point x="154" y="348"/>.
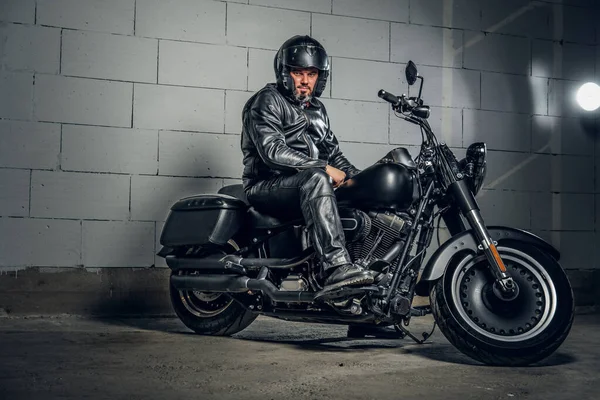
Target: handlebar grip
<point x="390" y="98"/>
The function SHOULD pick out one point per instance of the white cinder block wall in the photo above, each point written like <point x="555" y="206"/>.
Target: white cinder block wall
<point x="111" y="110"/>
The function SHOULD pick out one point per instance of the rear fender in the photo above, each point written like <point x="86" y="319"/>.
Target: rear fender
<point x="465" y="243"/>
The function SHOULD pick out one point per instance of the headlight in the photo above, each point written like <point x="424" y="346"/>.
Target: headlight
<point x="475" y="166"/>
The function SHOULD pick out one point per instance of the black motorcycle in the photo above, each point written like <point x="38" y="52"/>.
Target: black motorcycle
<point x="498" y="294"/>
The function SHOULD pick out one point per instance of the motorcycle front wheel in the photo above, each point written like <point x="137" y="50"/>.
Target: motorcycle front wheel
<point x="496" y="331"/>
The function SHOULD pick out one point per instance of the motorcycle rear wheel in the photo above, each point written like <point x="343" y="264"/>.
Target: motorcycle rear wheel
<point x="500" y="332"/>
<point x="210" y="313"/>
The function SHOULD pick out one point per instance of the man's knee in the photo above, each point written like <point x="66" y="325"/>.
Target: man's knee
<point x="317" y="178"/>
<point x="315" y="174"/>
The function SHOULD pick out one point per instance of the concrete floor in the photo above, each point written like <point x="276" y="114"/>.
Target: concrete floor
<point x="75" y="358"/>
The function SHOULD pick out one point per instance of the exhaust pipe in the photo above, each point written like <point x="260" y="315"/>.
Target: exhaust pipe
<point x="239" y="284"/>
<point x="211" y="283"/>
<point x="283" y="263"/>
<point x="236" y="264"/>
<point x="195" y="263"/>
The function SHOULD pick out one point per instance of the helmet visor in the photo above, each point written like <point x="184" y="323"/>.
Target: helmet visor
<point x="305" y="57"/>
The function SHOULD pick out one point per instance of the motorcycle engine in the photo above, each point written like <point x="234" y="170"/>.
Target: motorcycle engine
<point x="370" y="236"/>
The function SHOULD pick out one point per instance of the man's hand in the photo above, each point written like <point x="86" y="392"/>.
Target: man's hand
<point x="337" y="175"/>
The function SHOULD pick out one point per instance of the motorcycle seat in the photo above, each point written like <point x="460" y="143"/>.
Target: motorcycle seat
<point x="236" y="191"/>
<point x="256" y="219"/>
<point x="263" y="221"/>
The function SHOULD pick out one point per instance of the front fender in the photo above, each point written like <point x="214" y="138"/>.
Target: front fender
<point x="465" y="242"/>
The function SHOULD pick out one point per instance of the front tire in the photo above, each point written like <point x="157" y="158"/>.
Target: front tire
<point x="210" y="313"/>
<point x="497" y="332"/>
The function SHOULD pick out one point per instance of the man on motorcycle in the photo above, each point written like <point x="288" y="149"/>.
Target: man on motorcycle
<point x="292" y="160"/>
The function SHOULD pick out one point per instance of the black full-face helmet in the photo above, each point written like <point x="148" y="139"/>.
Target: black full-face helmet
<point x="301" y="52"/>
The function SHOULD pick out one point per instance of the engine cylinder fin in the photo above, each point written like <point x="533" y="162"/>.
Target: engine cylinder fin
<point x="380" y="223"/>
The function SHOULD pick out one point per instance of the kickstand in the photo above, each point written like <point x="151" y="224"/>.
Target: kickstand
<point x="404" y="331"/>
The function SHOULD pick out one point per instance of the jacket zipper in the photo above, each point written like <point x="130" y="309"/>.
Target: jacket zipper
<point x="305" y="133"/>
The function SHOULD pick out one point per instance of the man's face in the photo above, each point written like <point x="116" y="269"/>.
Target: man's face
<point x="304" y="82"/>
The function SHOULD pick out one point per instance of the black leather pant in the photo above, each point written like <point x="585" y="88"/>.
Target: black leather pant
<point x="308" y="194"/>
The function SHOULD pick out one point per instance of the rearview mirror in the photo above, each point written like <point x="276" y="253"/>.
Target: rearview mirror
<point x="411" y="73"/>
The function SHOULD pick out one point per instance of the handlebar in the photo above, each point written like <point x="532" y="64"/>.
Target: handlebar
<point x="390" y="98"/>
<point x="403" y="103"/>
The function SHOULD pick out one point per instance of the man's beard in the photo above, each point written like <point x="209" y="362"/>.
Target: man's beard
<point x="302" y="97"/>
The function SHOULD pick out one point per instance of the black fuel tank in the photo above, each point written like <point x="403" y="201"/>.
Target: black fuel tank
<point x="384" y="185"/>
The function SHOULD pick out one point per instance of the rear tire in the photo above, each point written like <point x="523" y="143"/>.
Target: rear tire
<point x="210" y="313"/>
<point x="506" y="333"/>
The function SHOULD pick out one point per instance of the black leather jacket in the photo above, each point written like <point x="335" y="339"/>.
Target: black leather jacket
<point x="282" y="136"/>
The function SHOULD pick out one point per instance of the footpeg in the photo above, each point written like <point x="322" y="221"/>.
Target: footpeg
<point x="343" y="292"/>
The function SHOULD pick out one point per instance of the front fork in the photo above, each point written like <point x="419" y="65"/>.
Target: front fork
<point x="467" y="204"/>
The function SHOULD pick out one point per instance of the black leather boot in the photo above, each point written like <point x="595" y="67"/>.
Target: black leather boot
<point x="319" y="207"/>
<point x="347" y="275"/>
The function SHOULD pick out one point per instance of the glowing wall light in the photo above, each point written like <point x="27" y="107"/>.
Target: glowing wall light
<point x="588" y="96"/>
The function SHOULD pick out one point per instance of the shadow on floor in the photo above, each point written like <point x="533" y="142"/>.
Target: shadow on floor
<point x="449" y="354"/>
<point x="323" y="338"/>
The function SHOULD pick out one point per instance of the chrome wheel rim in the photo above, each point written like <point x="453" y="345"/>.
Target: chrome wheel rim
<point x="523" y="318"/>
<point x="206" y="304"/>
